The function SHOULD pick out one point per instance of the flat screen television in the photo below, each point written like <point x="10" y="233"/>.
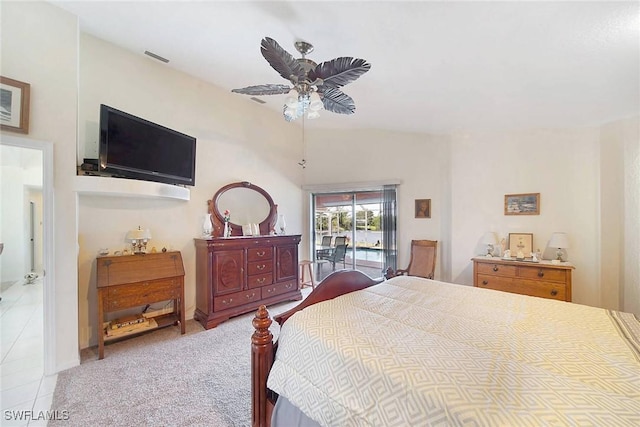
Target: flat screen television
<point x="133" y="147"/>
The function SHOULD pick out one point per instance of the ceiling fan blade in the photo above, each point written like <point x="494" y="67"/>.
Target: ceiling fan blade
<point x="281" y="60"/>
<point x="339" y="71"/>
<point x="268" y="89"/>
<point x="336" y="101"/>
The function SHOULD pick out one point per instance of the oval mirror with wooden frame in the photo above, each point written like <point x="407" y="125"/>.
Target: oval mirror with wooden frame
<point x="247" y="204"/>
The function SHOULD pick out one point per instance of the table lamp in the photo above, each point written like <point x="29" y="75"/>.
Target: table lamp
<point x="559" y="241"/>
<point x="139" y="239"/>
<point x="490" y="239"/>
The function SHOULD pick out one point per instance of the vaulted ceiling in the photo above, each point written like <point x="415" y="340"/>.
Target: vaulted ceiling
<point x="436" y="67"/>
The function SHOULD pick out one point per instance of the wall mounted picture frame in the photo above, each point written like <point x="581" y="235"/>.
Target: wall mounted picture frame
<point x="521" y="242"/>
<point x="423" y="208"/>
<point x="522" y="204"/>
<point x="14" y="105"/>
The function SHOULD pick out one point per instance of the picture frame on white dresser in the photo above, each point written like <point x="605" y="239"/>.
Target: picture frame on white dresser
<point x="521" y="242"/>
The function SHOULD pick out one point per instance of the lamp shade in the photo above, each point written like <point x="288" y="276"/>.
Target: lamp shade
<point x="490" y="238"/>
<point x="139" y="234"/>
<point x="313" y="115"/>
<point x="559" y="240"/>
<point x="290" y="113"/>
<point x="291" y="100"/>
<point x="315" y="103"/>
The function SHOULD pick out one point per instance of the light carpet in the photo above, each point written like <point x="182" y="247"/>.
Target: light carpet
<point x="162" y="378"/>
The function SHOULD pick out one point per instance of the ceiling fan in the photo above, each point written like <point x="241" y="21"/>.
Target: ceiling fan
<point x="313" y="86"/>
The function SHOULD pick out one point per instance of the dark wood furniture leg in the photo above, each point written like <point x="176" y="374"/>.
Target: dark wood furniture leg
<point x="100" y="321"/>
<point x="180" y="307"/>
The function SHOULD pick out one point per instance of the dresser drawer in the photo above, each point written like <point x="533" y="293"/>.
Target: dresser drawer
<point x="540" y="289"/>
<point x="260" y="254"/>
<point x="133" y="295"/>
<point x="497" y="283"/>
<point x="543" y="279"/>
<point x="258" y="280"/>
<point x="259" y="267"/>
<point x="280" y="288"/>
<point x="524" y="287"/>
<point x="497" y="269"/>
<point x="236" y="299"/>
<point x="546" y="274"/>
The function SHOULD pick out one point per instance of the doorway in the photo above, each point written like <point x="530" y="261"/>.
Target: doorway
<point x="364" y="221"/>
<point x="26" y="262"/>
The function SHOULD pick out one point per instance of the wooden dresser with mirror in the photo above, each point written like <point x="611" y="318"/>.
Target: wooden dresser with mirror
<point x="237" y="274"/>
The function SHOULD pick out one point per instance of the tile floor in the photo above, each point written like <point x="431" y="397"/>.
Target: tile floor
<point x="25" y="392"/>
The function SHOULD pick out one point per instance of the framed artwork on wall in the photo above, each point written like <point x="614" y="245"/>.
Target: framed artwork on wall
<point x="521" y="243"/>
<point x="423" y="208"/>
<point x="522" y="204"/>
<point x="14" y="105"/>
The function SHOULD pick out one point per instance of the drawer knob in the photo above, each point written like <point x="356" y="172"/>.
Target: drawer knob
<point x="261" y="253"/>
<point x="485" y="282"/>
<point x="540" y="273"/>
<point x="261" y="267"/>
<point x="495" y="268"/>
<point x="261" y="280"/>
<point x="554" y="292"/>
<point x="225" y="302"/>
<point x="270" y="290"/>
<point x="253" y="294"/>
<point x="289" y="285"/>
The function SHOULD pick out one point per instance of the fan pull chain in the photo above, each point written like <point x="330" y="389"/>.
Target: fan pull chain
<point x="303" y="163"/>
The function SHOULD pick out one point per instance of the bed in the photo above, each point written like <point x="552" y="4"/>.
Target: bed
<point x="410" y="351"/>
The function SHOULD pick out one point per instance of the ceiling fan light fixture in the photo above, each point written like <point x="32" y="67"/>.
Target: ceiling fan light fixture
<point x="290" y="113"/>
<point x="291" y="100"/>
<point x="307" y="78"/>
<point x="315" y="103"/>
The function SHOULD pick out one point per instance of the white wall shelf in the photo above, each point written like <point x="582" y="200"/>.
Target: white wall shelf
<point x="122" y="187"/>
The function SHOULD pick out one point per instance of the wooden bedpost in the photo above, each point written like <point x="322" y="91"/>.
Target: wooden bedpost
<point x="262" y="401"/>
<point x="389" y="273"/>
<point x="261" y="361"/>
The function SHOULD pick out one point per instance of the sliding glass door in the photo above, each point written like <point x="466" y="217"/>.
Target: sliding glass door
<point x="362" y="221"/>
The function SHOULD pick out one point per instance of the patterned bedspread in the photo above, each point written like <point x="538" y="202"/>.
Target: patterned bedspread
<point x="416" y="352"/>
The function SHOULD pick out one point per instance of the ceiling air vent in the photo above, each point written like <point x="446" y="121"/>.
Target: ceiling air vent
<point x="154" y="56"/>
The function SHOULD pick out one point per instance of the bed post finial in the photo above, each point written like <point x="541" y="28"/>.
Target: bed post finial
<point x="261" y="323"/>
<point x="261" y="361"/>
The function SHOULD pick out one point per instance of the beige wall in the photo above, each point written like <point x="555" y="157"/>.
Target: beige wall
<point x="561" y="165"/>
<point x="612" y="216"/>
<point x="39" y="46"/>
<point x="620" y="213"/>
<point x="237" y="140"/>
<point x="467" y="175"/>
<point x="631" y="137"/>
<point x="420" y="161"/>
